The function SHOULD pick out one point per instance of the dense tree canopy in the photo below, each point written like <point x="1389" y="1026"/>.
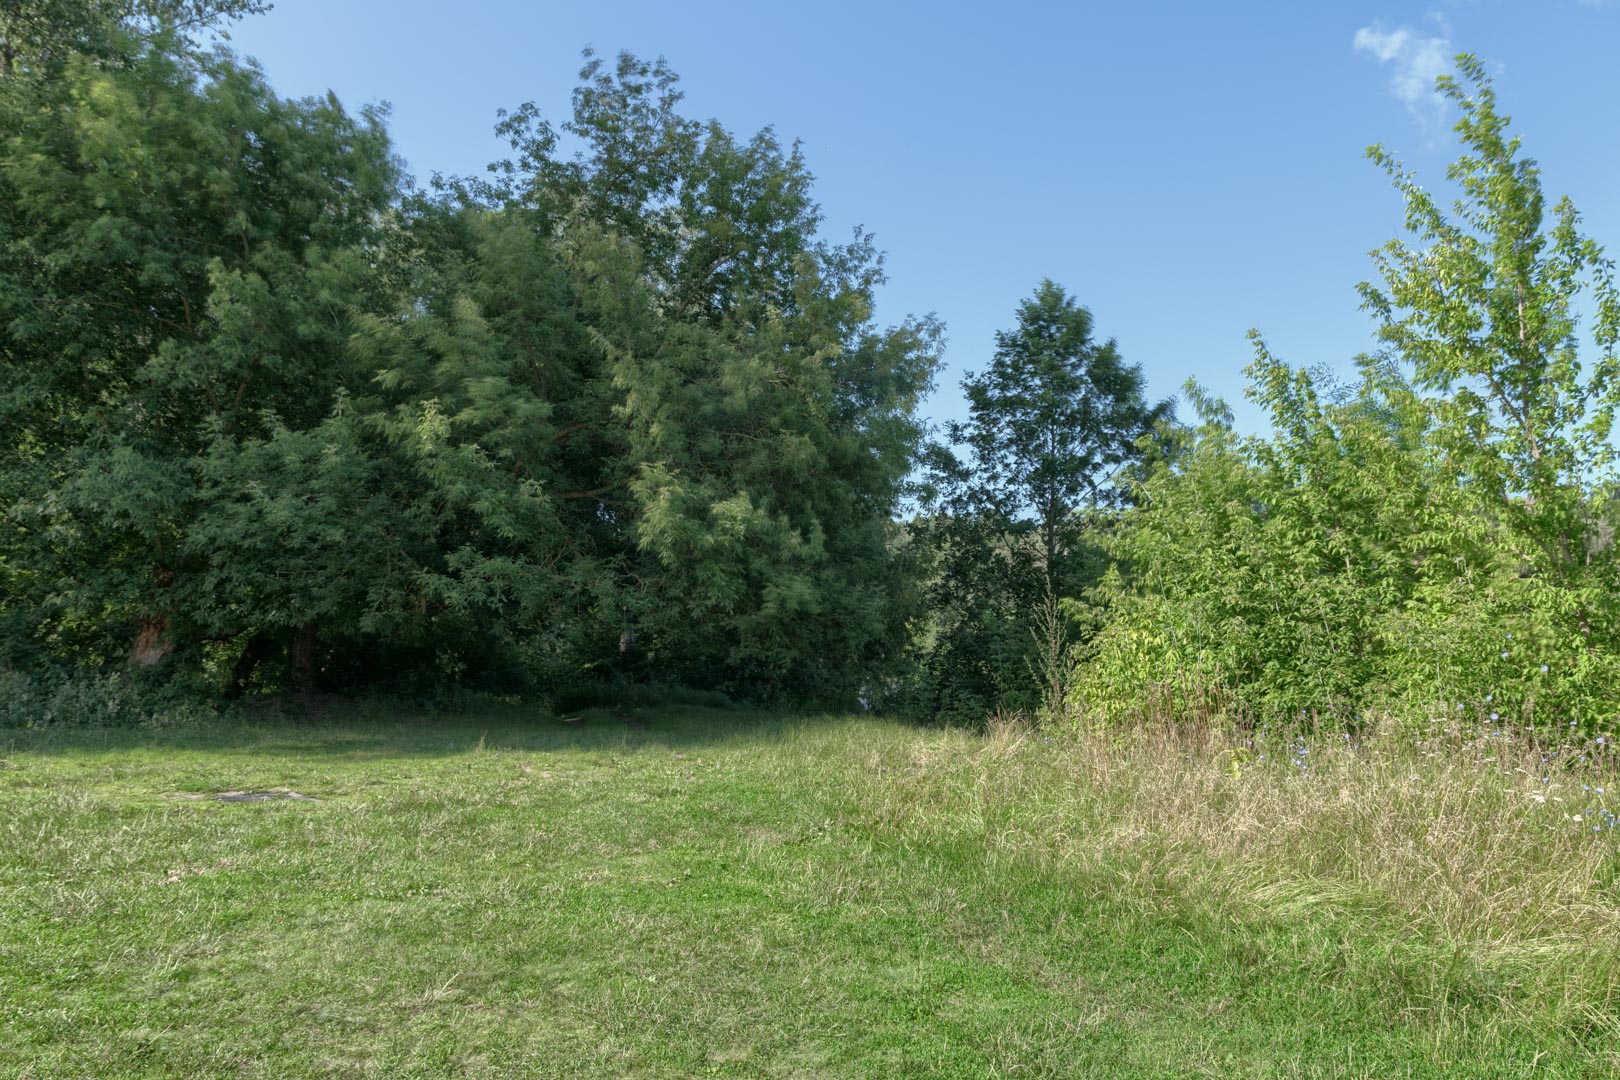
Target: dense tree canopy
<point x="275" y="419"/>
<point x="270" y="406"/>
<point x="182" y="261"/>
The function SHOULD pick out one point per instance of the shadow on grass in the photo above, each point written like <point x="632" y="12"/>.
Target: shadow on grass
<point x="372" y="730"/>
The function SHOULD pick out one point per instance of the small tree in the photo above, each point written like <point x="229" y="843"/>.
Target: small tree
<point x="1051" y="422"/>
<point x="1482" y="307"/>
<point x="1442" y="534"/>
<point x="1485" y="309"/>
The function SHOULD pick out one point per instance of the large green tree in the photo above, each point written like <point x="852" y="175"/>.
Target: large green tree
<point x="182" y="256"/>
<point x="270" y="415"/>
<point x="753" y="429"/>
<point x="1051" y="421"/>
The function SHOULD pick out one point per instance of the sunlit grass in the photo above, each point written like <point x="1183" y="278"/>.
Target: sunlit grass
<point x="722" y="893"/>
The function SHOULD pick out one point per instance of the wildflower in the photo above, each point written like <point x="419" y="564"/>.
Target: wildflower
<point x="1504" y="654"/>
<point x="1600" y="740"/>
<point x="1495" y="716"/>
<point x="1544" y="669"/>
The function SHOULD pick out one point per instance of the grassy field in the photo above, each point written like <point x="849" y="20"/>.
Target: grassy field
<point x="721" y="893"/>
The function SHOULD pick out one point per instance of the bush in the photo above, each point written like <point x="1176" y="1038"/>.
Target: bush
<point x="84" y="699"/>
<point x="1439" y="537"/>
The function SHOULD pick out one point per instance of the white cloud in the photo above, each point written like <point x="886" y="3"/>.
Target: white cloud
<point x="1417" y="60"/>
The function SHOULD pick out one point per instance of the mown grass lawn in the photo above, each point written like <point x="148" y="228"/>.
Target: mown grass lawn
<point x="715" y="893"/>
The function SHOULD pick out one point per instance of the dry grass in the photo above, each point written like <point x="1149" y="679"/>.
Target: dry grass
<point x="1491" y="840"/>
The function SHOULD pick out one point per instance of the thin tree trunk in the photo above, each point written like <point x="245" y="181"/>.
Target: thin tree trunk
<point x="1052" y="637"/>
<point x="627" y="650"/>
<point x="301" y="673"/>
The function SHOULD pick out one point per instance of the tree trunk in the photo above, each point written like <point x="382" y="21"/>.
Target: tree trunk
<point x="259" y="648"/>
<point x="152" y="642"/>
<point x="627" y="650"/>
<point x="301" y="659"/>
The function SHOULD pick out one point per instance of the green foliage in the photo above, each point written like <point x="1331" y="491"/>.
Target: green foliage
<point x="57" y="698"/>
<point x="1052" y="419"/>
<point x="37" y="36"/>
<point x="1437" y="537"/>
<point x="275" y="421"/>
<point x="180" y="269"/>
<point x="754" y="428"/>
<point x="1007" y="537"/>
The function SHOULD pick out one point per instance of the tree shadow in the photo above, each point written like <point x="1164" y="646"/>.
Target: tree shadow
<point x="364" y="730"/>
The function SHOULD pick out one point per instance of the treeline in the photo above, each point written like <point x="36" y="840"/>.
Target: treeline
<point x="1432" y="539"/>
<point x="274" y="418"/>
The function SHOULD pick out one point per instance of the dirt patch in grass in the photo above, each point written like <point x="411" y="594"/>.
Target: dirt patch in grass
<point x="266" y="795"/>
<point x="180" y="874"/>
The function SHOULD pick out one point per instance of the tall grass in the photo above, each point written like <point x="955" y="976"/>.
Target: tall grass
<point x="1502" y="846"/>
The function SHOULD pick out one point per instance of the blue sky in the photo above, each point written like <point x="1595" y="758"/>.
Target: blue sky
<point x="1187" y="169"/>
